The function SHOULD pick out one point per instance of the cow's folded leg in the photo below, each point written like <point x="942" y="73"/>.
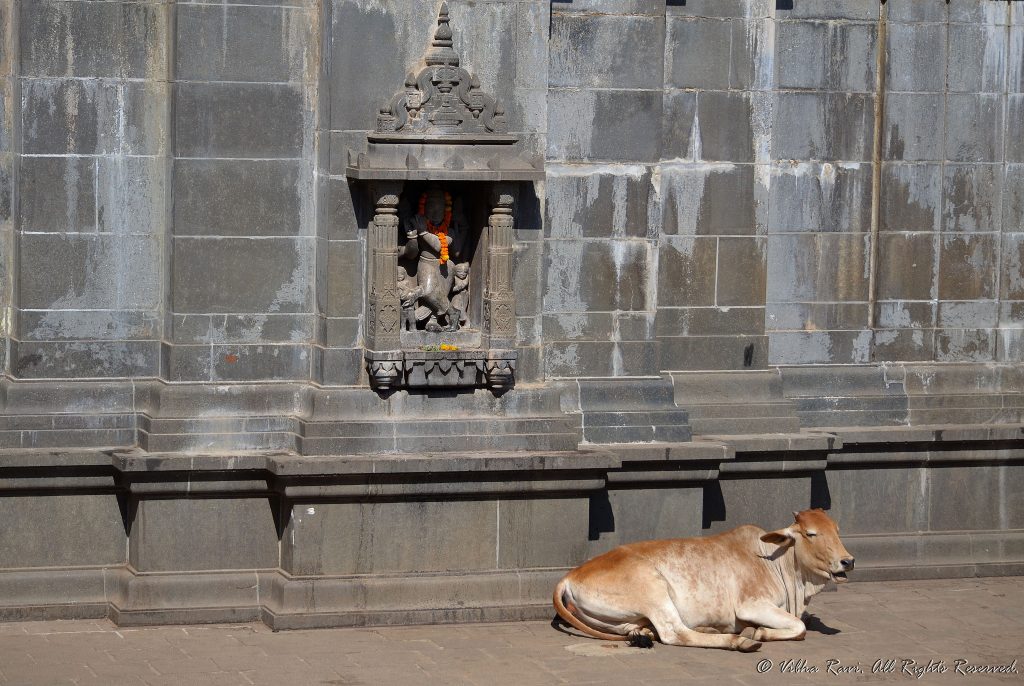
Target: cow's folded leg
<point x="770" y="623"/>
<point x="672" y="631"/>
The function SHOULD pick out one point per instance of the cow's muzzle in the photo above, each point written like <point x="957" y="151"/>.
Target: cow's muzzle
<point x="847" y="565"/>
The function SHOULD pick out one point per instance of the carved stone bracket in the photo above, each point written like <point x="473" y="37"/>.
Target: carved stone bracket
<point x="393" y="369"/>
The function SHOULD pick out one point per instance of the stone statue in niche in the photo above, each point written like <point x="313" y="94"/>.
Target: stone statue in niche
<point x="433" y="281"/>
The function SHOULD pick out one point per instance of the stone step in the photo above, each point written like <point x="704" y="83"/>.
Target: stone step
<point x="67" y="438"/>
<point x="441" y="427"/>
<point x="637" y="434"/>
<point x="206" y="442"/>
<point x="340" y="445"/>
<point x="644" y="418"/>
<point x="739" y="410"/>
<point x="616" y="394"/>
<point x="214" y="425"/>
<point x="49" y="422"/>
<point x="745" y="425"/>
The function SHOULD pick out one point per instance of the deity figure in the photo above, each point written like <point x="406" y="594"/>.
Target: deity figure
<point x="435" y="235"/>
<point x="460" y="290"/>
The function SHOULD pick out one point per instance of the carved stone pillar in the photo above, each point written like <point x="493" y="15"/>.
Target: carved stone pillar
<point x="383" y="308"/>
<point x="499" y="300"/>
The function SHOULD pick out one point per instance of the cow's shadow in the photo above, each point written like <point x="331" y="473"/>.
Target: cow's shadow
<point x="814" y="623"/>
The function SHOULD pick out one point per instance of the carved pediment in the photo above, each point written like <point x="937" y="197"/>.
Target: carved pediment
<point x="443" y="99"/>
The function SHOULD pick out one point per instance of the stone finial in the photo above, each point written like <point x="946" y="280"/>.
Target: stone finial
<point x="441" y="51"/>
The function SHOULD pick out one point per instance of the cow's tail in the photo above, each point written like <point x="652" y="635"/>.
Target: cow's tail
<point x="576" y="622"/>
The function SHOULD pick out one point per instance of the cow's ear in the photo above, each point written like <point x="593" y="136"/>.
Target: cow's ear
<point x="780" y="537"/>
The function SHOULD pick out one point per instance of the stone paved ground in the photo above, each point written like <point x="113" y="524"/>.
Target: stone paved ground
<point x="981" y="620"/>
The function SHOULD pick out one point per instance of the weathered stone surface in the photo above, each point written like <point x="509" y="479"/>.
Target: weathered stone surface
<point x="698" y="53"/>
<point x="586" y="51"/>
<point x="242" y="43"/>
<point x="599" y="201"/>
<point x="576" y="270"/>
<point x="916" y="58"/>
<point x="604" y="125"/>
<point x="826" y="56"/>
<point x="834" y="126"/>
<point x="238" y="198"/>
<point x="911" y="197"/>
<point x="967" y="266"/>
<point x="198" y="534"/>
<point x="214" y="275"/>
<point x="239" y="120"/>
<point x="713" y="198"/>
<point x="914" y="123"/>
<point x="907" y="266"/>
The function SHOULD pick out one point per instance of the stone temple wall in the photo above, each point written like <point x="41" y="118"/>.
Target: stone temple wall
<point x="774" y="260"/>
<point x="730" y="184"/>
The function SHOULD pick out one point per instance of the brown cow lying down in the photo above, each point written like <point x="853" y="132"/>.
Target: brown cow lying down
<point x="750" y="585"/>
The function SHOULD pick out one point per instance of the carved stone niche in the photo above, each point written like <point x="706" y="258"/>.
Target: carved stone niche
<point x="443" y="174"/>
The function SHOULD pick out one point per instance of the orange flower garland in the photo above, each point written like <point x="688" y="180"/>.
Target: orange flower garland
<point x="440" y="231"/>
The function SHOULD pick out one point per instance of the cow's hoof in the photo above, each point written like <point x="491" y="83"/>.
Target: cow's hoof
<point x="640" y="639"/>
<point x="745" y="645"/>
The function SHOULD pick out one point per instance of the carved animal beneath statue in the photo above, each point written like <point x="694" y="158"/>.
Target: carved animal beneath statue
<point x="732" y="590"/>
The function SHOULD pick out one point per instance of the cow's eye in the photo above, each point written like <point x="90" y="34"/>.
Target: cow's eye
<point x="811" y="534"/>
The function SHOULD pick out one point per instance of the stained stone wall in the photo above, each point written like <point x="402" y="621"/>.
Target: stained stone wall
<point x="731" y="184"/>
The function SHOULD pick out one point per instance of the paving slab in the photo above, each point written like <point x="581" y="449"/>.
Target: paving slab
<point x="906" y="631"/>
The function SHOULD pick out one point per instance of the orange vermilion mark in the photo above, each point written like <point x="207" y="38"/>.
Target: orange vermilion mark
<point x="231" y="359"/>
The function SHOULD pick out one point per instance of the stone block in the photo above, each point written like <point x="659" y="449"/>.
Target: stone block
<point x="825" y="56"/>
<point x="239" y="120"/>
<point x="917" y="11"/>
<point x="215" y="275"/>
<point x="1010" y="346"/>
<point x="978" y="12"/>
<point x="812" y="196"/>
<point x="708" y="198"/>
<point x="243" y="43"/>
<point x="585" y="51"/>
<point x="238" y="362"/>
<point x="1015" y="68"/>
<point x="951" y="487"/>
<point x="911" y="197"/>
<point x="84" y="359"/>
<point x="968" y="314"/>
<point x="974" y="127"/>
<point x="70" y="325"/>
<point x="1011" y="283"/>
<point x="348" y="210"/>
<point x="709" y="321"/>
<point x="1014" y="135"/>
<point x="195" y="534"/>
<point x="527" y="267"/>
<point x="817" y="267"/>
<point x="901" y="345"/>
<point x="598" y="201"/>
<point x="345" y="332"/>
<point x="644" y="514"/>
<point x="815" y="316"/>
<point x="83" y="271"/>
<point x="682" y="353"/>
<point x="677" y="125"/>
<point x="344" y="367"/>
<point x="542" y="532"/>
<point x="610" y="7"/>
<point x="612" y="125"/>
<point x="1013" y="199"/>
<point x="824" y="9"/>
<point x="914" y="125"/>
<point x="57" y="194"/>
<point x="719" y="8"/>
<point x="753" y="54"/>
<point x="93" y="117"/>
<point x="597" y="275"/>
<point x="972" y="198"/>
<point x="916" y="57"/>
<point x="72" y="530"/>
<point x="968" y="266"/>
<point x="109" y="195"/>
<point x="886" y="489"/>
<point x="727" y="133"/>
<point x="766" y="502"/>
<point x="977" y="58"/>
<point x="243" y="328"/>
<point x="698" y="53"/>
<point x="965" y="345"/>
<point x="344" y="278"/>
<point x="686" y="271"/>
<point x="819" y="347"/>
<point x="578" y="326"/>
<point x="596" y="358"/>
<point x="741" y="272"/>
<point x="381" y="537"/>
<point x="239" y="198"/>
<point x="93" y="39"/>
<point x="824" y="126"/>
<point x="907" y="266"/>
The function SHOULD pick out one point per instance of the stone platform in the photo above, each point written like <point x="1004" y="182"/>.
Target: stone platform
<point x="978" y="620"/>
